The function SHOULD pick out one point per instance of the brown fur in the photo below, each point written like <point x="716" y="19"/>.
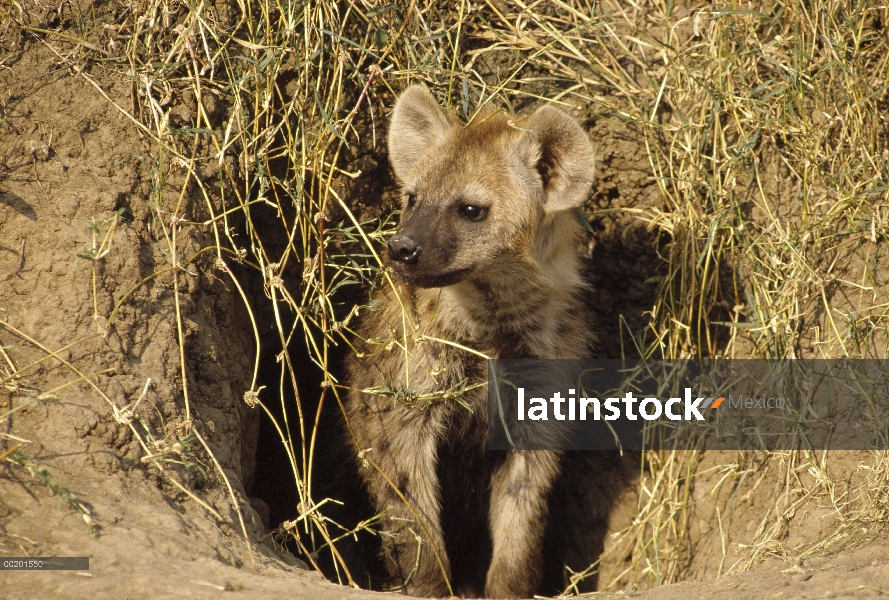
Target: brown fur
<point x="508" y="286"/>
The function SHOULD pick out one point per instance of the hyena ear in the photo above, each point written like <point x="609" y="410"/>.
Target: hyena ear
<point x="417" y="126"/>
<point x="559" y="149"/>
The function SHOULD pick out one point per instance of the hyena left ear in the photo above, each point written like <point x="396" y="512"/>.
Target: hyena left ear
<point x="417" y="126"/>
<point x="559" y="149"/>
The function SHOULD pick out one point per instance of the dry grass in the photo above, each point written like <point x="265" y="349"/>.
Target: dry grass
<point x="764" y="124"/>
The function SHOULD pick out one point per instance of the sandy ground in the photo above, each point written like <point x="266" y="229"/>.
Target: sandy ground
<point x="149" y="548"/>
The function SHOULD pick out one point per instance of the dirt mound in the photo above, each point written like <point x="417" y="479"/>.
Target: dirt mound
<point x="91" y="351"/>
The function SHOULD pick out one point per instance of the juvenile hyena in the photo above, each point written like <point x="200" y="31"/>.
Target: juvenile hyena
<point x="487" y="260"/>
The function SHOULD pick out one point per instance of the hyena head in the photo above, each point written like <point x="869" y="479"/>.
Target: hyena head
<point x="479" y="197"/>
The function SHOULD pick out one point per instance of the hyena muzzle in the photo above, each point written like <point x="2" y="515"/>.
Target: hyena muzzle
<point x="487" y="262"/>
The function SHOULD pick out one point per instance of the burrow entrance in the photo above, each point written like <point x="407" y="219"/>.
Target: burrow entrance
<point x="596" y="490"/>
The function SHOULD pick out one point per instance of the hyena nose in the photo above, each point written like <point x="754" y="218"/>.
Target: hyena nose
<point x="404" y="249"/>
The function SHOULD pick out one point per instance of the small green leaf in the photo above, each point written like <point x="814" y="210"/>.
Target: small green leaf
<point x="375" y="11"/>
<point x="381" y="38"/>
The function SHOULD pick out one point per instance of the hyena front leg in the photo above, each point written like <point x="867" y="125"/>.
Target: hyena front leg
<point x="406" y="452"/>
<point x="519" y="496"/>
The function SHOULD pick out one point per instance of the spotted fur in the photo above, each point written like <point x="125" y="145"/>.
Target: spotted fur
<point x="507" y="286"/>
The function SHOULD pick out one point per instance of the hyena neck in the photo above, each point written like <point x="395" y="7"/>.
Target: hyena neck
<point x="529" y="305"/>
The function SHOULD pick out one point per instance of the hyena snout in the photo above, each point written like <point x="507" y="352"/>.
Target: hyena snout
<point x="405" y="249"/>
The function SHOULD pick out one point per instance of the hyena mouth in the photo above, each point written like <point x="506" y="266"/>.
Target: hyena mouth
<point x="426" y="280"/>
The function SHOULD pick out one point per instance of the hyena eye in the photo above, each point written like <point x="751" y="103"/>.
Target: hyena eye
<point x="473" y="212"/>
<point x="411" y="200"/>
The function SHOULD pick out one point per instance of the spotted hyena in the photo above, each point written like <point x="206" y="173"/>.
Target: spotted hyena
<point x="486" y="262"/>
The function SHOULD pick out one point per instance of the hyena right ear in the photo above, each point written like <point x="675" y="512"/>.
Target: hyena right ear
<point x="417" y="126"/>
<point x="560" y="151"/>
